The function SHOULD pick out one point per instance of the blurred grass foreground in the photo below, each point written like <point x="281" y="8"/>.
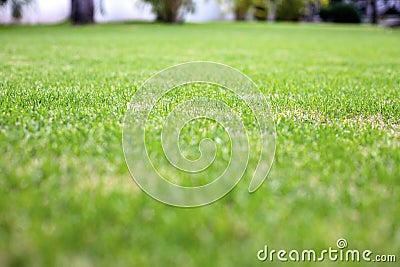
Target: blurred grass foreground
<point x="67" y="198"/>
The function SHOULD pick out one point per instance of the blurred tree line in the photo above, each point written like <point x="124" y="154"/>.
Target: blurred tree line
<point x="343" y="11"/>
<point x="172" y="11"/>
<point x="16" y="6"/>
<point x="82" y="11"/>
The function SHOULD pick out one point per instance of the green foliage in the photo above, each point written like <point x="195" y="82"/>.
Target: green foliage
<point x="66" y="195"/>
<point x="171" y="11"/>
<point x="241" y="8"/>
<point x="340" y="13"/>
<point x="260" y="10"/>
<point x="290" y="10"/>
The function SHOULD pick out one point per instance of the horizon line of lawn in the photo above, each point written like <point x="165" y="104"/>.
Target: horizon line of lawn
<point x="326" y="25"/>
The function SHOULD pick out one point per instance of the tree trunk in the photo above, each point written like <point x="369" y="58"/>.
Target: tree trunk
<point x="171" y="10"/>
<point x="374" y="15"/>
<point x="82" y="11"/>
<point x="240" y="15"/>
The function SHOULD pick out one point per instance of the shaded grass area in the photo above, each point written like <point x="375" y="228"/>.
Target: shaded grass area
<point x="66" y="196"/>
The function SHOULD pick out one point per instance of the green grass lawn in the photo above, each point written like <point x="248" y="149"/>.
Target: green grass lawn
<point x="66" y="195"/>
